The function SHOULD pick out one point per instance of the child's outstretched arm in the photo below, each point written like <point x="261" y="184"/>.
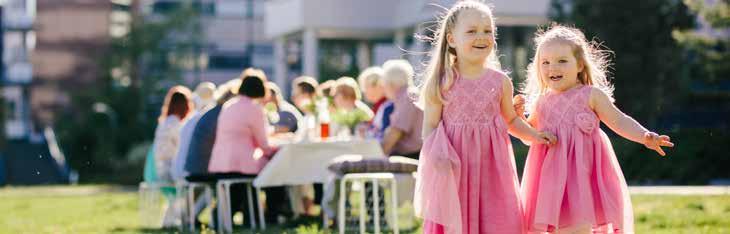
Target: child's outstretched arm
<point x="517" y="125"/>
<point x="624" y="125"/>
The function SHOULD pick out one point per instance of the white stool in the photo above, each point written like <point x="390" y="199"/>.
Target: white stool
<point x="223" y="188"/>
<point x="187" y="189"/>
<point x="374" y="178"/>
<point x="149" y="206"/>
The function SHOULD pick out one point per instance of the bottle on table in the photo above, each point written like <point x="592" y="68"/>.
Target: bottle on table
<point x="324" y="119"/>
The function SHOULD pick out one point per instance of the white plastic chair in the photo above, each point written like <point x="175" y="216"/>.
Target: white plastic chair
<point x="374" y="178"/>
<point x="223" y="188"/>
<point x="150" y="195"/>
<point x="186" y="190"/>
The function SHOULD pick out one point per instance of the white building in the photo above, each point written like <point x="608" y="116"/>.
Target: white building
<point x="233" y="37"/>
<point x="343" y="37"/>
<point x="18" y="41"/>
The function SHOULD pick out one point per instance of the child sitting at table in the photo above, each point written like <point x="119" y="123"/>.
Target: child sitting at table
<point x="304" y="93"/>
<point x="349" y="110"/>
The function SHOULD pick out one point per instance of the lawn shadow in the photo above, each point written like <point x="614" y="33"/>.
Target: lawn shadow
<point x="145" y="230"/>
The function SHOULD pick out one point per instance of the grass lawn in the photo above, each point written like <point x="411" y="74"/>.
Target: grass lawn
<point x="105" y="209"/>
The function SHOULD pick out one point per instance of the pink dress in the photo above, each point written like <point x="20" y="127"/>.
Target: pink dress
<point x="483" y="166"/>
<point x="577" y="182"/>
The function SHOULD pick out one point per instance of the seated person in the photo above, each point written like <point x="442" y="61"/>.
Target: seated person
<point x="326" y="90"/>
<point x="241" y="147"/>
<point x="283" y="115"/>
<point x="176" y="107"/>
<point x="349" y="110"/>
<point x="403" y="136"/>
<point x="204" y="93"/>
<point x="304" y="93"/>
<point x="204" y="96"/>
<point x="203" y="136"/>
<point x="201" y="142"/>
<point x="369" y="81"/>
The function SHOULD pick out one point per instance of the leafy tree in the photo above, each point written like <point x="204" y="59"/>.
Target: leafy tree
<point x="708" y="49"/>
<point x="660" y="61"/>
<point x="119" y="111"/>
<point x="647" y="60"/>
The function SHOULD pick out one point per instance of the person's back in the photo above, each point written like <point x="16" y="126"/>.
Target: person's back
<point x="201" y="143"/>
<point x="240" y="132"/>
<point x="186" y="132"/>
<point x="165" y="147"/>
<point x="381" y="120"/>
<point x="407" y="119"/>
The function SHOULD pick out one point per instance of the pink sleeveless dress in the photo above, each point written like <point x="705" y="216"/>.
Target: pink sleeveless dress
<point x="474" y="130"/>
<point x="578" y="181"/>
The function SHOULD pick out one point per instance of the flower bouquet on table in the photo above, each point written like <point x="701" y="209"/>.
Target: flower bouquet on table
<point x="350" y="119"/>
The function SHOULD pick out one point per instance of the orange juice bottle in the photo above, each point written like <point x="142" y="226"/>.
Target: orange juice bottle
<point x="324" y="119"/>
<point x="324" y="129"/>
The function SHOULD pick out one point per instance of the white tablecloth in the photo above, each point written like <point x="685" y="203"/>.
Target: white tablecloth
<point x="306" y="163"/>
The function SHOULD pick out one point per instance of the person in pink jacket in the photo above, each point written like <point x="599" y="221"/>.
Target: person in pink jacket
<point x="241" y="148"/>
<point x="240" y="144"/>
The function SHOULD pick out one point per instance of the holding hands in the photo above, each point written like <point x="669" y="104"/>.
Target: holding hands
<point x="519" y="103"/>
<point x="547" y="138"/>
<point x="544" y="137"/>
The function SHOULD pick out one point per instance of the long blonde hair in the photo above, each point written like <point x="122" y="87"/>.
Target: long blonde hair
<point x="589" y="53"/>
<point x="442" y="57"/>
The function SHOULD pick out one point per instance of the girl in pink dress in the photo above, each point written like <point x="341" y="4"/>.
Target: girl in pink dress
<point x="576" y="186"/>
<point x="467" y="182"/>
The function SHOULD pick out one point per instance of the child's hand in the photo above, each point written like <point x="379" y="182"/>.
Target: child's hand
<point x="518" y="102"/>
<point x="655" y="142"/>
<point x="548" y="138"/>
<point x="544" y="137"/>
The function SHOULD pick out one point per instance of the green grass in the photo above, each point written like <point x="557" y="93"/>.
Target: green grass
<point x="682" y="214"/>
<point x="58" y="210"/>
<point x="105" y="209"/>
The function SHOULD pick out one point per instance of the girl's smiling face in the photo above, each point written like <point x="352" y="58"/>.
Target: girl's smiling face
<point x="558" y="66"/>
<point x="472" y="35"/>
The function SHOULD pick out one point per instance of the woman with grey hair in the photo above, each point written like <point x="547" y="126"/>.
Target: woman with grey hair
<point x="403" y="136"/>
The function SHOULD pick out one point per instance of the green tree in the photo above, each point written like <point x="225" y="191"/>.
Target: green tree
<point x="2" y="120"/>
<point x="709" y="50"/>
<point x="647" y="61"/>
<point x="660" y="59"/>
<point x="120" y="110"/>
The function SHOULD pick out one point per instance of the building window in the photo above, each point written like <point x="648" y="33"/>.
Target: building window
<point x="237" y="61"/>
<point x="206" y="8"/>
<point x="232" y="8"/>
<point x="13" y="103"/>
<point x="337" y="58"/>
<point x="165" y="7"/>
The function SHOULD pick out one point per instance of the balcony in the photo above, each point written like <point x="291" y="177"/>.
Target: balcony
<point x="369" y="19"/>
<point x="290" y="16"/>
